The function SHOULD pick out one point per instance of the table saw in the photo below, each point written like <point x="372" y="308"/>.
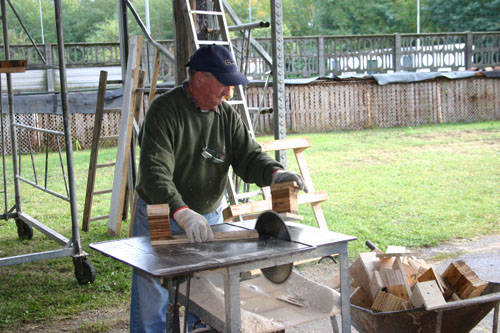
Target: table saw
<point x="170" y="262"/>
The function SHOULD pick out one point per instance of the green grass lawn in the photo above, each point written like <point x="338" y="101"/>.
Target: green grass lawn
<point x="406" y="186"/>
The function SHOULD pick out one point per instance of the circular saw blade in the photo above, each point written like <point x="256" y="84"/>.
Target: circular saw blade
<point x="271" y="226"/>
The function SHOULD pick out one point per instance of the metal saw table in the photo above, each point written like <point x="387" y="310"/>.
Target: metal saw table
<point x="172" y="261"/>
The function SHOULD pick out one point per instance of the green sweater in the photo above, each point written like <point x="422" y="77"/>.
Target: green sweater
<point x="172" y="168"/>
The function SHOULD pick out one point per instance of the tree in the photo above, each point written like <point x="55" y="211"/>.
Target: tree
<point x="457" y="15"/>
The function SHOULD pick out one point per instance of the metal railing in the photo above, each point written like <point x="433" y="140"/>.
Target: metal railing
<point x="308" y="56"/>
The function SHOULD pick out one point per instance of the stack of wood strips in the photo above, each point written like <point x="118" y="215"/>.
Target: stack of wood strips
<point x="159" y="221"/>
<point x="284" y="197"/>
<point x="395" y="280"/>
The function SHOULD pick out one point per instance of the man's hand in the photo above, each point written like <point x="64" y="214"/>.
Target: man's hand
<point x="282" y="176"/>
<point x="195" y="225"/>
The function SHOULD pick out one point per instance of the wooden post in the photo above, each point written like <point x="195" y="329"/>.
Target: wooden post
<point x="49" y="71"/>
<point x="396" y="53"/>
<point x="321" y="56"/>
<point x="468" y="50"/>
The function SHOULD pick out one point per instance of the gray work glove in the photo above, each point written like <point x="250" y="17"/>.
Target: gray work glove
<point x="282" y="176"/>
<point x="195" y="225"/>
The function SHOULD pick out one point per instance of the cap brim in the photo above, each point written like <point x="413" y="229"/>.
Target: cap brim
<point x="231" y="78"/>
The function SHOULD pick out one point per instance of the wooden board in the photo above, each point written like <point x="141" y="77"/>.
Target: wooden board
<point x="218" y="237"/>
<point x="427" y="294"/>
<point x="387" y="302"/>
<point x="125" y="136"/>
<point x="13" y="66"/>
<point x="362" y="269"/>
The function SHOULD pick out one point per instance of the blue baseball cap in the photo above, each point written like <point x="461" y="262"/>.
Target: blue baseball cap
<point x="217" y="60"/>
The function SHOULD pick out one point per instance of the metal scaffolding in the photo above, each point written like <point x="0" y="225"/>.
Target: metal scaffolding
<point x="84" y="271"/>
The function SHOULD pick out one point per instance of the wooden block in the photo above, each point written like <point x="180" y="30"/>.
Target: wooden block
<point x="386" y="262"/>
<point x="387" y="302"/>
<point x="159" y="221"/>
<point x="376" y="285"/>
<point x="411" y="274"/>
<point x="398" y="290"/>
<point x="427" y="294"/>
<point x="398" y="266"/>
<point x="460" y="278"/>
<point x="284" y="197"/>
<point x="13" y="66"/>
<point x="360" y="298"/>
<point x="429" y="275"/>
<point x="417" y="264"/>
<point x="362" y="269"/>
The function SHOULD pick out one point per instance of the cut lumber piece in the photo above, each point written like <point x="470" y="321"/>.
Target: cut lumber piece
<point x="312" y="197"/>
<point x="463" y="280"/>
<point x="386" y="262"/>
<point x="376" y="285"/>
<point x="387" y="302"/>
<point x="417" y="264"/>
<point x="431" y="274"/>
<point x="284" y="197"/>
<point x="233" y="211"/>
<point x="427" y="294"/>
<point x="159" y="221"/>
<point x="298" y="144"/>
<point x="395" y="251"/>
<point x="360" y="298"/>
<point x="13" y="66"/>
<point x="399" y="266"/>
<point x="218" y="237"/>
<point x="398" y="290"/>
<point x="362" y="269"/>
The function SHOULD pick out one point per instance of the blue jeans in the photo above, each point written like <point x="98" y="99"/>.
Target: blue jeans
<point x="149" y="300"/>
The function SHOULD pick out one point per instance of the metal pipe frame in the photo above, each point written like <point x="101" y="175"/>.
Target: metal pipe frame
<point x="232" y="287"/>
<point x="71" y="247"/>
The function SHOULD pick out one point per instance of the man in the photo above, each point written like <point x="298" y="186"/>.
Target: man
<point x="189" y="139"/>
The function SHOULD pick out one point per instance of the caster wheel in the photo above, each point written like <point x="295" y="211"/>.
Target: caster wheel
<point x="24" y="230"/>
<point x="84" y="271"/>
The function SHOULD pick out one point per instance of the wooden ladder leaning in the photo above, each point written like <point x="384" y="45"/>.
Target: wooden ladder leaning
<point x="97" y="139"/>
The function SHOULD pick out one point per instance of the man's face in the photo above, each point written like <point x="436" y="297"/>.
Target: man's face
<point x="207" y="91"/>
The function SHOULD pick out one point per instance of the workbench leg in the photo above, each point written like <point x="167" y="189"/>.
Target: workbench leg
<point x="232" y="301"/>
<point x="335" y="324"/>
<point x="345" y="292"/>
<point x="172" y="326"/>
<point x="495" y="318"/>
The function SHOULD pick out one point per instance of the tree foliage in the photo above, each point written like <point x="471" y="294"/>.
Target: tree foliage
<point x="96" y="20"/>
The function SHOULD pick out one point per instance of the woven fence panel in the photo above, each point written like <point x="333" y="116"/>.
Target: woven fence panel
<point x="321" y="106"/>
<point x="81" y="129"/>
<point x="334" y="105"/>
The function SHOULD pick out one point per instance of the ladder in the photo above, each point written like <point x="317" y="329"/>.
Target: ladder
<point x="97" y="140"/>
<point x="220" y="36"/>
